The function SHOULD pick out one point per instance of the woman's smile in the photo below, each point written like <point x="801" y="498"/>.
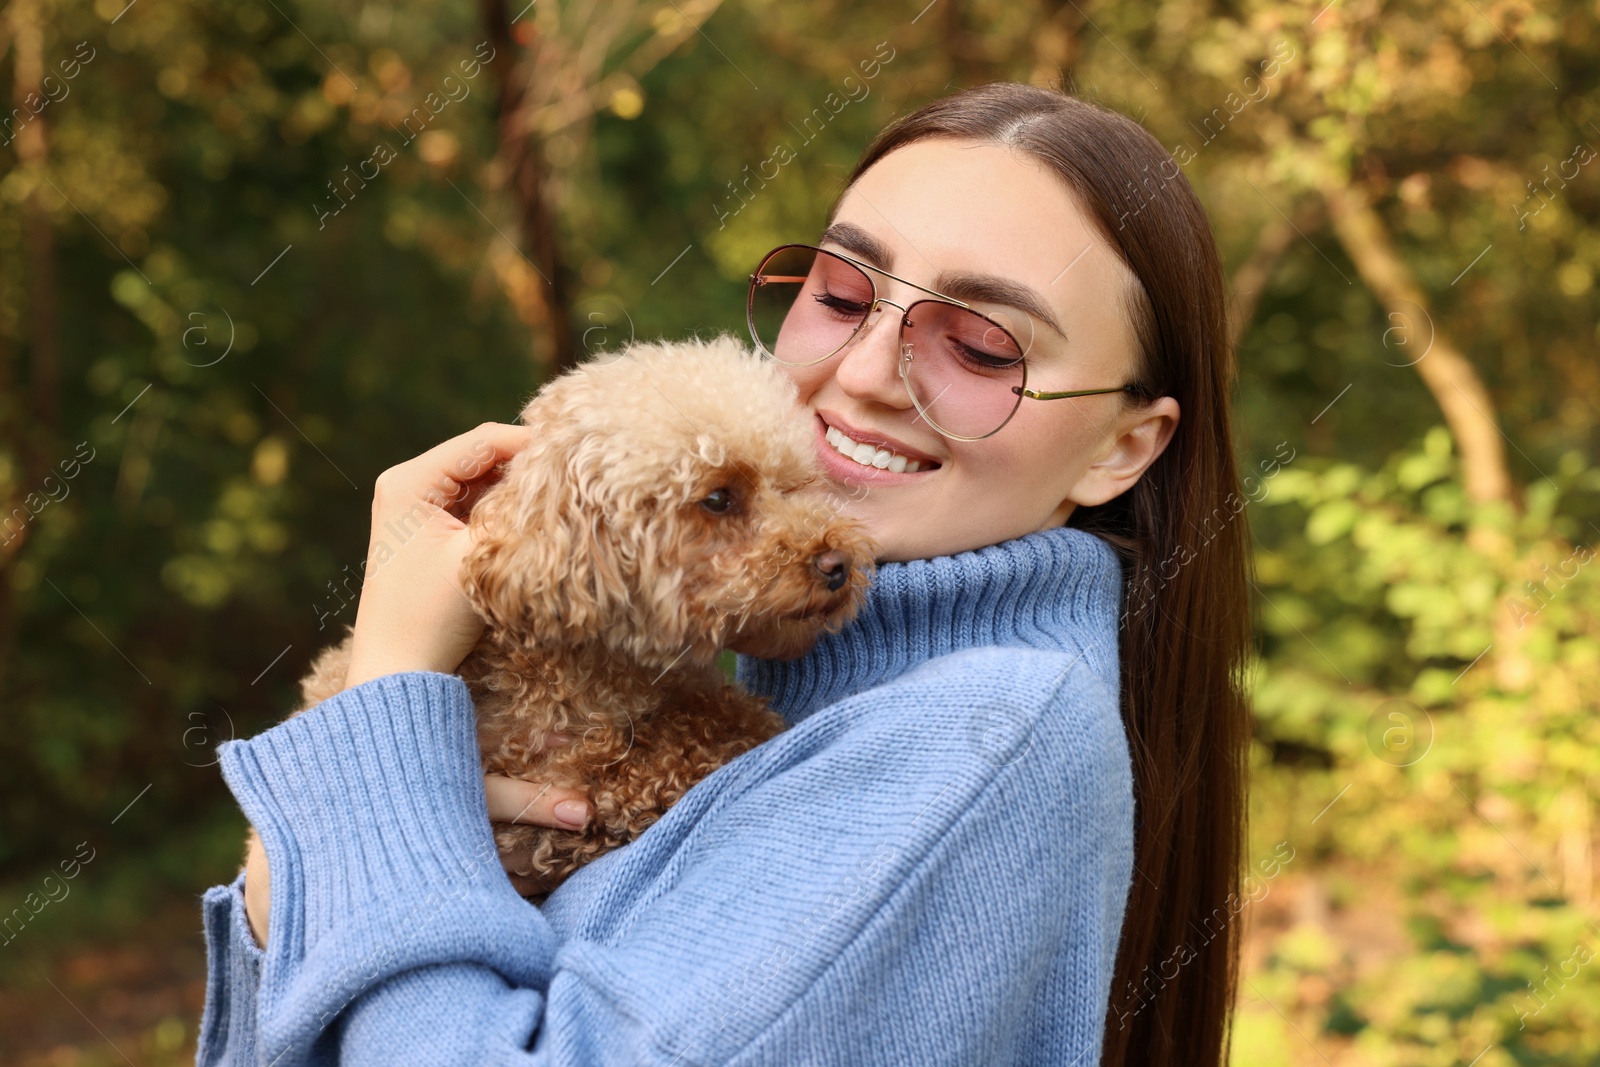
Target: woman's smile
<point x="860" y="456"/>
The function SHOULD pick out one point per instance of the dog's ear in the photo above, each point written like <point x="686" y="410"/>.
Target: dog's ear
<point x="542" y="571"/>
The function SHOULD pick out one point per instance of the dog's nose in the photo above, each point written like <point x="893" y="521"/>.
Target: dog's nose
<point x="834" y="566"/>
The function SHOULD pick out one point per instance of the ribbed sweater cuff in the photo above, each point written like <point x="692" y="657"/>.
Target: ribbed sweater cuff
<point x="372" y="812"/>
<point x="233" y="973"/>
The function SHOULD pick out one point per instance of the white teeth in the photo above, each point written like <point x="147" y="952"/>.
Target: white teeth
<point x="870" y="455"/>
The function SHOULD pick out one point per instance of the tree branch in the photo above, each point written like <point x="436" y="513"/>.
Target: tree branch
<point x="1456" y="386"/>
<point x="1251" y="278"/>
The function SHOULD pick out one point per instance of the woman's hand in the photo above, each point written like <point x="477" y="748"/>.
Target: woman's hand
<point x="512" y="800"/>
<point x="413" y="615"/>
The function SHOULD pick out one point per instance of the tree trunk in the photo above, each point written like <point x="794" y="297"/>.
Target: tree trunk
<point x="1461" y="395"/>
<point x="1056" y="45"/>
<point x="964" y="47"/>
<point x="1457" y="389"/>
<point x="38" y="242"/>
<point x="34" y="446"/>
<point x="522" y="163"/>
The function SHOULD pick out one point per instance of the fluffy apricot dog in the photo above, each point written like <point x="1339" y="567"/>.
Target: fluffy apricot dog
<point x="669" y="507"/>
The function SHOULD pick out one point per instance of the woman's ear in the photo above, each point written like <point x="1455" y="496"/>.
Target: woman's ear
<point x="540" y="571"/>
<point x="1138" y="438"/>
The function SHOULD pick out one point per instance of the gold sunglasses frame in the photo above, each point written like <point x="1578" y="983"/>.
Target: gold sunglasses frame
<point x="757" y="279"/>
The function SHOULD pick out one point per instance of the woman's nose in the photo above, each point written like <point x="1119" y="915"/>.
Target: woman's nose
<point x="869" y="368"/>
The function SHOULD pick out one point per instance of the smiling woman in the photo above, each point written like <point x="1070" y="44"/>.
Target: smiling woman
<point x="1043" y="189"/>
<point x="933" y="862"/>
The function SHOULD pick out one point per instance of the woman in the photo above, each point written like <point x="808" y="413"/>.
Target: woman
<point x="1009" y="808"/>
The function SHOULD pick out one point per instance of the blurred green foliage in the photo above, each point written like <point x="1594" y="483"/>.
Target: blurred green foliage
<point x="1426" y="735"/>
<point x="1452" y="708"/>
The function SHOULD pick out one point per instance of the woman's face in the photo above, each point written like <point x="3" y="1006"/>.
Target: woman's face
<point x="964" y="218"/>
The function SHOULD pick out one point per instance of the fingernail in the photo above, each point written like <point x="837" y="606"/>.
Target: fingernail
<point x="572" y="812"/>
<point x="560" y="739"/>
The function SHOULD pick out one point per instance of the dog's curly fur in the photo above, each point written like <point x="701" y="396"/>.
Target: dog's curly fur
<point x="611" y="575"/>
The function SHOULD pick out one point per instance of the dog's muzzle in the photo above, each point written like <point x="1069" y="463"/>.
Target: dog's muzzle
<point x="834" y="566"/>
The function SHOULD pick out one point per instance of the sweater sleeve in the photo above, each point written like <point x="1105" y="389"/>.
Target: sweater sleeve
<point x="869" y="893"/>
<point x="233" y="974"/>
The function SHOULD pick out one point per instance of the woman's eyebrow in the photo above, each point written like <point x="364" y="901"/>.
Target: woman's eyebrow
<point x="859" y="242"/>
<point x="988" y="288"/>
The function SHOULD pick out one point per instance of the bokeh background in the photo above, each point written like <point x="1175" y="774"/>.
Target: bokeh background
<point x="252" y="252"/>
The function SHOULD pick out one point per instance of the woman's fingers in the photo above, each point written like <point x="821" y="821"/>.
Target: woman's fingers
<point x="512" y="800"/>
<point x="445" y="474"/>
<point x="414" y="615"/>
<point x="535" y="803"/>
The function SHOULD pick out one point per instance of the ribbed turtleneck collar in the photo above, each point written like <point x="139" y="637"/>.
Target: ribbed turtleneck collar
<point x="1059" y="588"/>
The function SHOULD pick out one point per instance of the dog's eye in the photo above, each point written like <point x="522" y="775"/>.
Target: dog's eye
<point x="718" y="501"/>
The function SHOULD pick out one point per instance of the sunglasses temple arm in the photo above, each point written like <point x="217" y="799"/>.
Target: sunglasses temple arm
<point x="1064" y="396"/>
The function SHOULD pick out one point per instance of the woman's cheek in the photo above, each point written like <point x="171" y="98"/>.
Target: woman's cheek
<point x="806" y="379"/>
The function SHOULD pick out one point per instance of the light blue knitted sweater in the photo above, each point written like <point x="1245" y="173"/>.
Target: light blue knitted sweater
<point x="929" y="867"/>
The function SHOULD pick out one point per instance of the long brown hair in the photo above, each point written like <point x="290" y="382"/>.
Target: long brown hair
<point x="1186" y="628"/>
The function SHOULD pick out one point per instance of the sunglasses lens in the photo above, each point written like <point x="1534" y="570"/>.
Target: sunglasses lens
<point x="804" y="304"/>
<point x="963" y="370"/>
